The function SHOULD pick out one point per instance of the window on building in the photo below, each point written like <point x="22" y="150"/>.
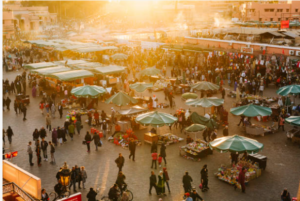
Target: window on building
<point x="271" y="10"/>
<point x="3" y="22"/>
<point x="260" y="19"/>
<point x="252" y="10"/>
<point x="287" y="18"/>
<point x="267" y="10"/>
<point x="296" y="10"/>
<point x="271" y="19"/>
<point x="279" y="19"/>
<point x="279" y="10"/>
<point x="287" y="10"/>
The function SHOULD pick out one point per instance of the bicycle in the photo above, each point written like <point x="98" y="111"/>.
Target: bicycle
<point x="126" y="194"/>
<point x="55" y="196"/>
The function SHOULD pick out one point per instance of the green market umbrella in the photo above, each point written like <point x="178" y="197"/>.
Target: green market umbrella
<point x="198" y="119"/>
<point x="194" y="128"/>
<point x="140" y="86"/>
<point x="88" y="91"/>
<point x="187" y="96"/>
<point x="290" y="89"/>
<point x="205" y="102"/>
<point x="121" y="99"/>
<point x="251" y="111"/>
<point x="236" y="143"/>
<point x="132" y="111"/>
<point x="150" y="72"/>
<point x="119" y="56"/>
<point x="156" y="119"/>
<point x="205" y="86"/>
<point x="294" y="120"/>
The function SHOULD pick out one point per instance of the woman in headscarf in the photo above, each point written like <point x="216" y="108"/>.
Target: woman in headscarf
<point x="33" y="91"/>
<point x="54" y="136"/>
<point x="53" y="110"/>
<point x="161" y="184"/>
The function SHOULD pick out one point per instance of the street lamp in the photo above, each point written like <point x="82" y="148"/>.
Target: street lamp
<point x="64" y="175"/>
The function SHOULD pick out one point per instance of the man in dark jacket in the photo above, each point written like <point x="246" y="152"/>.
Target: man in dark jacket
<point x="96" y="139"/>
<point x="120" y="162"/>
<point x="153" y="182"/>
<point x="8" y="101"/>
<point x="24" y="110"/>
<point x="121" y="181"/>
<point x="186" y="180"/>
<point x="44" y="145"/>
<point x="60" y="110"/>
<point x="73" y="179"/>
<point x="225" y="131"/>
<point x="132" y="146"/>
<point x="42" y="133"/>
<point x="195" y="195"/>
<point x="204" y="178"/>
<point x="91" y="195"/>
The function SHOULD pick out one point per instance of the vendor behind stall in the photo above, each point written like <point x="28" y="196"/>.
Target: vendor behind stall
<point x="153" y="130"/>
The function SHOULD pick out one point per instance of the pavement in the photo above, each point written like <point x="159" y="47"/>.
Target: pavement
<point x="282" y="167"/>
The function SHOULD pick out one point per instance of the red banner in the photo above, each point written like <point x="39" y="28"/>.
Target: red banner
<point x="74" y="197"/>
<point x="285" y="24"/>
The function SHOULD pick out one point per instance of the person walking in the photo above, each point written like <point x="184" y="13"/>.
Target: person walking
<point x="225" y="131"/>
<point x="24" y="110"/>
<point x="96" y="117"/>
<point x="153" y="182"/>
<point x="78" y="175"/>
<point x="73" y="179"/>
<point x="132" y="147"/>
<point x="71" y="129"/>
<point x="88" y="140"/>
<point x="204" y="178"/>
<point x="96" y="139"/>
<point x="30" y="153"/>
<point x="120" y="162"/>
<point x="38" y="154"/>
<point x="281" y="123"/>
<point x="35" y="135"/>
<point x="60" y="110"/>
<point x="121" y="181"/>
<point x="3" y="136"/>
<point x="83" y="176"/>
<point x="166" y="178"/>
<point x="78" y="126"/>
<point x="154" y="159"/>
<point x="8" y="101"/>
<point x="241" y="179"/>
<point x="104" y="128"/>
<point x="113" y="119"/>
<point x="285" y="195"/>
<point x="223" y="93"/>
<point x="53" y="110"/>
<point x="163" y="152"/>
<point x="48" y="122"/>
<point x="52" y="150"/>
<point x="16" y="105"/>
<point x="45" y="196"/>
<point x="54" y="136"/>
<point x="43" y="133"/>
<point x="44" y="146"/>
<point x="42" y="106"/>
<point x="161" y="184"/>
<point x="186" y="180"/>
<point x="9" y="133"/>
<point x="91" y="195"/>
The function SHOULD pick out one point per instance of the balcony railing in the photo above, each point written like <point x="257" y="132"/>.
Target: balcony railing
<point x="12" y="187"/>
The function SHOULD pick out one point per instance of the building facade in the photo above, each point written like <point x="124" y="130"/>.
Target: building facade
<point x="19" y="19"/>
<point x="270" y="11"/>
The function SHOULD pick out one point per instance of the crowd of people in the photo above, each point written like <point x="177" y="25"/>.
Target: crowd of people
<point x="249" y="74"/>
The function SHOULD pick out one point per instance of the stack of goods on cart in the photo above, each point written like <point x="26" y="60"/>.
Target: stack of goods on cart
<point x="231" y="174"/>
<point x="123" y="139"/>
<point x="180" y="111"/>
<point x="195" y="150"/>
<point x="169" y="138"/>
<point x="94" y="130"/>
<point x="160" y="85"/>
<point x="70" y="103"/>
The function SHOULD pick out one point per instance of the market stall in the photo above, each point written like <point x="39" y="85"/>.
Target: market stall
<point x="195" y="150"/>
<point x="121" y="99"/>
<point x="51" y="70"/>
<point x="73" y="78"/>
<point x="123" y="138"/>
<point x="169" y="138"/>
<point x="294" y="134"/>
<point x="40" y="65"/>
<point x="108" y="72"/>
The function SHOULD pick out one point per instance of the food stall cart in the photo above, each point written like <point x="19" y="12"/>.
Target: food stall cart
<point x="150" y="138"/>
<point x="195" y="150"/>
<point x="108" y="72"/>
<point x="169" y="139"/>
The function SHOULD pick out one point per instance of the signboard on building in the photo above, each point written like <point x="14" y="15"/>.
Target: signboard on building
<point x="247" y="50"/>
<point x="285" y="24"/>
<point x="74" y="197"/>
